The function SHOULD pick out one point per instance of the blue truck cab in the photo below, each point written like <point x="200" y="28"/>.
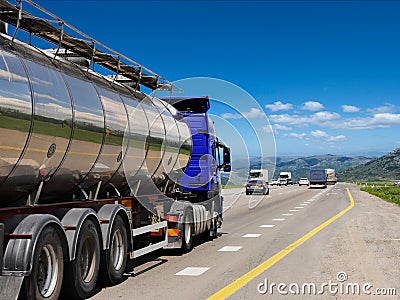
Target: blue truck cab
<point x="201" y="181"/>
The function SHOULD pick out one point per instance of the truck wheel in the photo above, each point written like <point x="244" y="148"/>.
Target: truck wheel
<point x="47" y="273"/>
<point x="212" y="233"/>
<point x="82" y="273"/>
<point x="188" y="231"/>
<point x="214" y="230"/>
<point x="114" y="259"/>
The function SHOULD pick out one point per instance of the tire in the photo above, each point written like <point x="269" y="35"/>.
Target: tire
<point x="187" y="232"/>
<point x="211" y="233"/>
<point x="267" y="192"/>
<point x="214" y="230"/>
<point x="83" y="271"/>
<point x="247" y="193"/>
<point x="114" y="259"/>
<point x="46" y="277"/>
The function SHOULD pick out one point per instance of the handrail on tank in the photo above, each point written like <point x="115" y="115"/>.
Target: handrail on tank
<point x="87" y="47"/>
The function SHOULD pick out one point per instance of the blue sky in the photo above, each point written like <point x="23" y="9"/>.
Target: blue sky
<point x="326" y="74"/>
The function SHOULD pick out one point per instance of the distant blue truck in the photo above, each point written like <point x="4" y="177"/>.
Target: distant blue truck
<point x="318" y="178"/>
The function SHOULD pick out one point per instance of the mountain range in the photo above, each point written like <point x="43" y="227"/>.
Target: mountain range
<point x="384" y="168"/>
<point x="348" y="168"/>
<point x="299" y="166"/>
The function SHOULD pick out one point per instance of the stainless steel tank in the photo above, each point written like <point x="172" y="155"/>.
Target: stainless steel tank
<point x="74" y="134"/>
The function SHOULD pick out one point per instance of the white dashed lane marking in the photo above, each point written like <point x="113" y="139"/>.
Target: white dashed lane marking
<point x="278" y="220"/>
<point x="267" y="226"/>
<point x="230" y="248"/>
<point x="293" y="210"/>
<point x="252" y="235"/>
<point x="192" y="271"/>
<point x="299" y="207"/>
<point x="287" y="214"/>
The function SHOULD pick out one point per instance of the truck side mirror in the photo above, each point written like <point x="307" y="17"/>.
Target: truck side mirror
<point x="227" y="155"/>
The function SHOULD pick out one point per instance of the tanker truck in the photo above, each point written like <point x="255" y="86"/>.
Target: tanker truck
<point x="93" y="171"/>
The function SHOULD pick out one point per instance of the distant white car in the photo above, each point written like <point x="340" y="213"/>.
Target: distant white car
<point x="274" y="182"/>
<point x="304" y="181"/>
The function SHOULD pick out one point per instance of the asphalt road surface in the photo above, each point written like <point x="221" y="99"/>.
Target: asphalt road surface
<point x="294" y="243"/>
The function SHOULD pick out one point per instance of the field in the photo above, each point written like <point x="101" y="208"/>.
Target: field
<point x="384" y="190"/>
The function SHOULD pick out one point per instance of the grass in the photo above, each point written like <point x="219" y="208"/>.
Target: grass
<point x="375" y="183"/>
<point x="57" y="129"/>
<point x="389" y="192"/>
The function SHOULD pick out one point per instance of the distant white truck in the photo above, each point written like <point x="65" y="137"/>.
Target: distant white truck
<point x="259" y="174"/>
<point x="330" y="176"/>
<point x="285" y="178"/>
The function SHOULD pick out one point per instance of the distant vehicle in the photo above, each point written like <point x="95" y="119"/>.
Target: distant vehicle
<point x="318" y="178"/>
<point x="296" y="181"/>
<point x="258" y="174"/>
<point x="304" y="181"/>
<point x="257" y="186"/>
<point x="275" y="182"/>
<point x="330" y="176"/>
<point x="397" y="183"/>
<point x="283" y="181"/>
<point x="286" y="178"/>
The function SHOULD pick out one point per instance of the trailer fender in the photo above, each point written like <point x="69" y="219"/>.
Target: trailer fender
<point x="179" y="207"/>
<point x="18" y="256"/>
<point x="72" y="223"/>
<point x="106" y="215"/>
<point x="200" y="215"/>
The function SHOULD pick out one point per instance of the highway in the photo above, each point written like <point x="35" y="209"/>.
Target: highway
<point x="287" y="237"/>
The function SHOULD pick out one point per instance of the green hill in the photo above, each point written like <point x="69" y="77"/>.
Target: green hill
<point x="384" y="168"/>
<point x="300" y="167"/>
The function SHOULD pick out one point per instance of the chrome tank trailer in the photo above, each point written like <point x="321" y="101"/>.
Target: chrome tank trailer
<point x="68" y="133"/>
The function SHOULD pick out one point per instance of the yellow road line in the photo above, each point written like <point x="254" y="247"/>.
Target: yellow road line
<point x="246" y="278"/>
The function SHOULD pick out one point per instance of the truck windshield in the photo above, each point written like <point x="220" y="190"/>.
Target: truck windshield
<point x="255" y="174"/>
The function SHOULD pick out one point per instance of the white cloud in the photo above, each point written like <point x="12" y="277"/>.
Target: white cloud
<point x="231" y="116"/>
<point x="386" y="108"/>
<point x="338" y="138"/>
<point x="312" y="106"/>
<point x="319" y="134"/>
<point x="299" y="136"/>
<point x="322" y="135"/>
<point x="278" y="105"/>
<point x="254" y="113"/>
<point x="322" y="118"/>
<point x="383" y="120"/>
<point x="278" y="127"/>
<point x="350" y="108"/>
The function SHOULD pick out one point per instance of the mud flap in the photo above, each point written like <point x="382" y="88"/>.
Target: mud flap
<point x="10" y="286"/>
